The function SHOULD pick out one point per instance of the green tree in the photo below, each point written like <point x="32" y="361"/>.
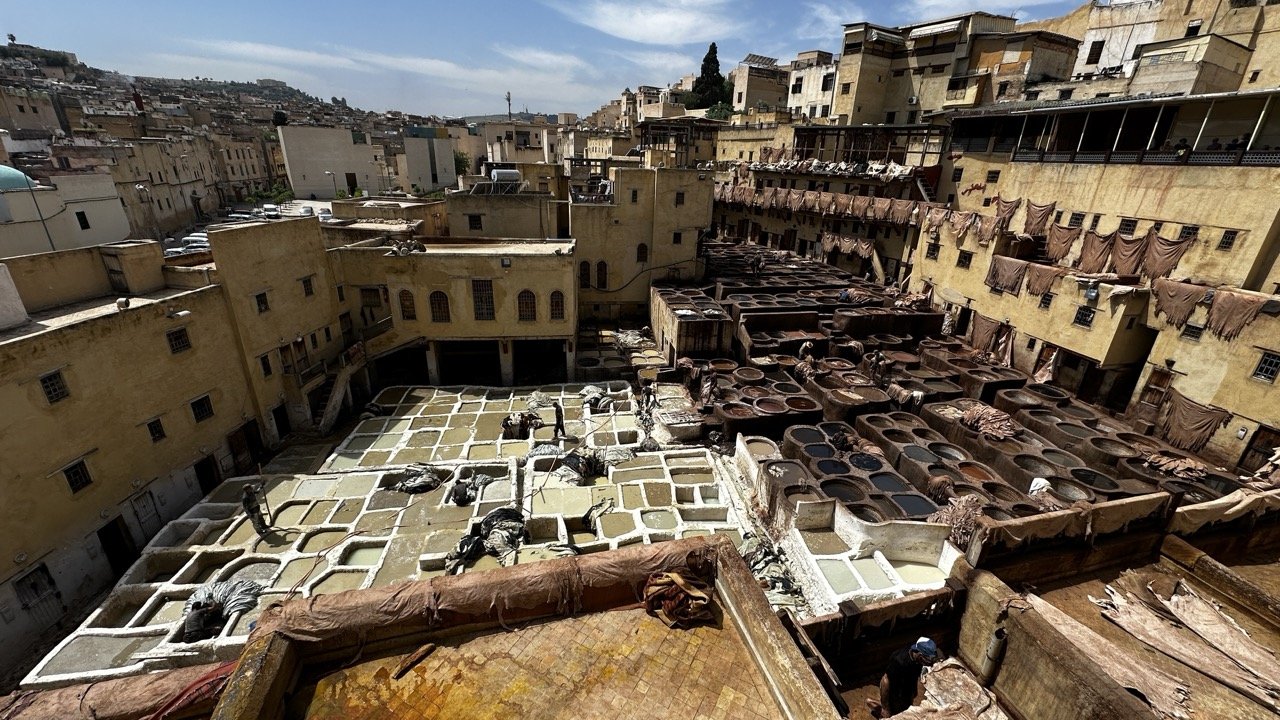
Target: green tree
<point x="720" y="111"/>
<point x="461" y="162"/>
<point x="708" y="87"/>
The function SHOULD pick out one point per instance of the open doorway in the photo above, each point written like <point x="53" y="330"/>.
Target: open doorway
<point x="207" y="474"/>
<point x="118" y="545"/>
<point x="280" y="416"/>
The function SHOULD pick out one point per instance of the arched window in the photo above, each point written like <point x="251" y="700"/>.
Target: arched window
<point x="584" y="274"/>
<point x="407" y="310"/>
<point x="439" y="306"/>
<point x="602" y="275"/>
<point x="557" y="305"/>
<point x="527" y="305"/>
<point x="642" y="253"/>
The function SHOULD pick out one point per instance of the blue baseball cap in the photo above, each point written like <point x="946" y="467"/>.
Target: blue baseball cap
<point x="926" y="647"/>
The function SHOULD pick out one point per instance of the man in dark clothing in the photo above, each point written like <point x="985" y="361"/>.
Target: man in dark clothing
<point x="901" y="678"/>
<point x="202" y="622"/>
<point x="252" y="508"/>
<point x="560" y="432"/>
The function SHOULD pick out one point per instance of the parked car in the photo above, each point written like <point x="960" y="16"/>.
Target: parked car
<point x="307" y="211"/>
<point x="270" y="211"/>
<point x="324" y="214"/>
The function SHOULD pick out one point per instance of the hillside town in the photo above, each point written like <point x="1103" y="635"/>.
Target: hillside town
<point x="927" y="375"/>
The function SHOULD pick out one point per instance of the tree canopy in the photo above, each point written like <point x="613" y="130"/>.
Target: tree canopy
<point x="709" y="86"/>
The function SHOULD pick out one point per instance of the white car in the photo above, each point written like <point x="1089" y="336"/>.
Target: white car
<point x="270" y="211"/>
<point x="306" y="211"/>
<point x="324" y="214"/>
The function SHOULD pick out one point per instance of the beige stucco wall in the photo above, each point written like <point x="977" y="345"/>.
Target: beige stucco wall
<point x="93" y="194"/>
<point x="310" y="151"/>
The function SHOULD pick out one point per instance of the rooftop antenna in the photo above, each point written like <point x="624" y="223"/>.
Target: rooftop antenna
<point x="508" y="106"/>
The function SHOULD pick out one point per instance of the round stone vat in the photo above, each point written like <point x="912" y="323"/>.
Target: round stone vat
<point x="1001" y="492"/>
<point x="799" y="403"/>
<point x="831" y="466"/>
<point x="844" y="489"/>
<point x="1048" y="392"/>
<point x="948" y="451"/>
<point x="1070" y="491"/>
<point x="748" y="376"/>
<point x="819" y="451"/>
<point x="769" y="406"/>
<point x="1095" y="481"/>
<point x="888" y="482"/>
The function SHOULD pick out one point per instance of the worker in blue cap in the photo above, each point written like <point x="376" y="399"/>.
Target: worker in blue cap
<point x="900" y="683"/>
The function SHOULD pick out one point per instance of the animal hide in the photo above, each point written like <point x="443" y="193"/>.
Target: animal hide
<point x="1176" y="300"/>
<point x="1040" y="278"/>
<point x="1095" y="251"/>
<point x="1006" y="274"/>
<point x="1037" y="217"/>
<point x="1060" y="240"/>
<point x="1188" y="425"/>
<point x="1232" y="311"/>
<point x="1127" y="253"/>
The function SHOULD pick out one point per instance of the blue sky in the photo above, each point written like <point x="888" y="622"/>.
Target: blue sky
<point x="458" y="58"/>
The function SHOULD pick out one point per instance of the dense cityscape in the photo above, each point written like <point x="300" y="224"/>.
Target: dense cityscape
<point x="927" y="375"/>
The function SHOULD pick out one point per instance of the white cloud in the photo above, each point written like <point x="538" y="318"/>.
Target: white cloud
<point x="923" y="10"/>
<point x="660" y="66"/>
<point x="542" y="59"/>
<point x="825" y="21"/>
<point x="262" y="52"/>
<point x="657" y="22"/>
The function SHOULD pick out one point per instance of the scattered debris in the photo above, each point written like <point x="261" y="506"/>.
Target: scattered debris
<point x="467" y="485"/>
<point x="413" y="659"/>
<point x="677" y="600"/>
<point x="211" y="606"/>
<point x="769" y="566"/>
<point x="419" y="478"/>
<point x="594" y="513"/>
<point x="961" y="514"/>
<point x="1176" y="465"/>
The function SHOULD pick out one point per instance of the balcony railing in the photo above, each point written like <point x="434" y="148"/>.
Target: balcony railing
<point x="1141" y="157"/>
<point x="376" y="329"/>
<point x="309" y="373"/>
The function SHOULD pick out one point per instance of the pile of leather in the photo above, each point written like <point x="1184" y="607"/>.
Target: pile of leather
<point x="989" y="421"/>
<point x="678" y="600"/>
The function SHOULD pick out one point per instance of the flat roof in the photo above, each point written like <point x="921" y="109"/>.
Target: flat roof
<point x="55" y="318"/>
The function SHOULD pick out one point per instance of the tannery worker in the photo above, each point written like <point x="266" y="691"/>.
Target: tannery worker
<point x="900" y="683"/>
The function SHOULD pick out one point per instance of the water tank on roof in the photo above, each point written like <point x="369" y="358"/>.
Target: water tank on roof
<point x="504" y="175"/>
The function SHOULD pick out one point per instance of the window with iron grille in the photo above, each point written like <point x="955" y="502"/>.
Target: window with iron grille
<point x="482" y="298"/>
<point x="1268" y="367"/>
<point x="1046" y="300"/>
<point x="1076" y="220"/>
<point x="202" y="408"/>
<point x="957" y="174"/>
<point x="474" y="222"/>
<point x="156" y="428"/>
<point x="371" y="297"/>
<point x="1084" y="316"/>
<point x="635" y="196"/>
<point x="679" y="199"/>
<point x="54" y="387"/>
<point x="1093" y="224"/>
<point x="1157" y="226"/>
<point x="557" y="305"/>
<point x="261" y="300"/>
<point x="1128" y="226"/>
<point x="1057" y="218"/>
<point x="1228" y="240"/>
<point x="1192" y="332"/>
<point x="407" y="309"/>
<point x="993" y="176"/>
<point x="1189" y="232"/>
<point x="964" y="259"/>
<point x="78" y="477"/>
<point x="931" y="251"/>
<point x="439" y="307"/>
<point x="308" y="287"/>
<point x="642" y="253"/>
<point x="1095" y="52"/>
<point x="527" y="306"/>
<point x="178" y="340"/>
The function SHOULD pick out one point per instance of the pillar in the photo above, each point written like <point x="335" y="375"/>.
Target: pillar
<point x="433" y="364"/>
<point x="506" y="361"/>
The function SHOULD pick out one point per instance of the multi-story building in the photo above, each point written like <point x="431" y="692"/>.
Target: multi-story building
<point x="517" y="142"/>
<point x="241" y="167"/>
<point x="760" y="83"/>
<point x="427" y="162"/>
<point x="28" y="109"/>
<point x="812" y="84"/>
<point x="69" y="210"/>
<point x="325" y="161"/>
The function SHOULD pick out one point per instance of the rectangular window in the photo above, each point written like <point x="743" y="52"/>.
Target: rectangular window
<point x="1084" y="316"/>
<point x="679" y="199"/>
<point x="1189" y="232"/>
<point x="1065" y="94"/>
<point x="964" y="259"/>
<point x="82" y="219"/>
<point x="635" y="194"/>
<point x="315" y="342"/>
<point x="78" y="477"/>
<point x="370" y="297"/>
<point x="1228" y="240"/>
<point x="993" y="176"/>
<point x="1093" y="224"/>
<point x="844" y="88"/>
<point x="1002" y="89"/>
<point x="482" y="298"/>
<point x="957" y="174"/>
<point x="474" y="222"/>
<point x="1095" y="52"/>
<point x="828" y="81"/>
<point x="1057" y="218"/>
<point x="890" y="117"/>
<point x="342" y="294"/>
<point x="1128" y="226"/>
<point x="1076" y="220"/>
<point x="1031" y="343"/>
<point x="178" y="340"/>
<point x="1268" y="367"/>
<point x="156" y="428"/>
<point x="328" y="336"/>
<point x="265" y="362"/>
<point x="1157" y="226"/>
<point x="202" y="408"/>
<point x="54" y="386"/>
<point x="1192" y="332"/>
<point x="308" y="287"/>
<point x="261" y="300"/>
<point x="931" y="251"/>
<point x="676" y="238"/>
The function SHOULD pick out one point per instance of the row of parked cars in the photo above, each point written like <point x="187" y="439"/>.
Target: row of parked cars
<point x="199" y="241"/>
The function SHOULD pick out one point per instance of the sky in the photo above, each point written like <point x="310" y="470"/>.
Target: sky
<point x="461" y="57"/>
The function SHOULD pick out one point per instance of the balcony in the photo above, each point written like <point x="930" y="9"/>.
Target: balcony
<point x="376" y="329"/>
<point x="1255" y="158"/>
